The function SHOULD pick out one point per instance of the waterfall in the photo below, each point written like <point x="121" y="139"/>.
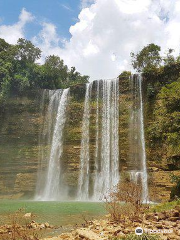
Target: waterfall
<point x="137" y="138"/>
<point x="50" y="186"/>
<point x="106" y="172"/>
<point x="97" y="166"/>
<point x="109" y="174"/>
<point x="99" y="160"/>
<point x="83" y="186"/>
<point x="144" y="168"/>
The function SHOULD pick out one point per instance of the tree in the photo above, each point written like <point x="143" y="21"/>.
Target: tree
<point x="19" y="70"/>
<point x="27" y="52"/>
<point x="56" y="72"/>
<point x="7" y="60"/>
<point x="169" y="59"/>
<point x="74" y="76"/>
<point x="148" y="58"/>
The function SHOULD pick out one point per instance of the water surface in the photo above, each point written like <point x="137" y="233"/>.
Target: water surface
<point x="56" y="213"/>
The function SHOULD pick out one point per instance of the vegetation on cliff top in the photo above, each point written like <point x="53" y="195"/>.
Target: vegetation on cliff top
<point x="19" y="70"/>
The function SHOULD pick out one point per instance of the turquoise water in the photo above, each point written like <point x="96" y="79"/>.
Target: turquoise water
<point x="55" y="213"/>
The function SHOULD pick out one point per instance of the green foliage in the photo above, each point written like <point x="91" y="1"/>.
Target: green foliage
<point x="170" y="97"/>
<point x="165" y="128"/>
<point x="169" y="59"/>
<point x="125" y="74"/>
<point x="27" y="52"/>
<point x="124" y="80"/>
<point x="175" y="191"/>
<point x="20" y="72"/>
<point x="141" y="237"/>
<point x="147" y="59"/>
<point x="164" y="206"/>
<point x="156" y="69"/>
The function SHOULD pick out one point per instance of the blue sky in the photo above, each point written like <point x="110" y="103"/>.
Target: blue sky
<point x="95" y="36"/>
<point x="62" y="13"/>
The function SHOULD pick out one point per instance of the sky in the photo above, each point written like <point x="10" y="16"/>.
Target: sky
<point x="95" y="36"/>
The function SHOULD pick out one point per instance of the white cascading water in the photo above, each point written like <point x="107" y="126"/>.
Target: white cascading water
<point x="99" y="169"/>
<point x="137" y="137"/>
<point x="83" y="185"/>
<point x="107" y="162"/>
<point x="50" y="186"/>
<point x="144" y="167"/>
<point x="97" y="155"/>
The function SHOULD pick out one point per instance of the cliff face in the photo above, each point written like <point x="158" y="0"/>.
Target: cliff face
<point x="19" y="134"/>
<point x="19" y="129"/>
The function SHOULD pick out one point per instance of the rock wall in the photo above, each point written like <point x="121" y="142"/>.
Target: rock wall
<point x="19" y="129"/>
<point x="19" y="132"/>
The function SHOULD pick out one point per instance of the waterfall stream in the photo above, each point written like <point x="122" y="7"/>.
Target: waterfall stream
<point x="137" y="140"/>
<point x="107" y="162"/>
<point x="83" y="185"/>
<point x="50" y="185"/>
<point x="144" y="167"/>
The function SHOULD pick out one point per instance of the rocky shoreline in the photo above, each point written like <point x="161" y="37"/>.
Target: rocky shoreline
<point x="165" y="223"/>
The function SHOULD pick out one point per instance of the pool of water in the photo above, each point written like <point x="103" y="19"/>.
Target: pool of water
<point x="55" y="213"/>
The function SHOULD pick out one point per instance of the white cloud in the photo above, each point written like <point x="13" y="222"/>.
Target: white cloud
<point x="108" y="30"/>
<point x="48" y="41"/>
<point x="11" y="33"/>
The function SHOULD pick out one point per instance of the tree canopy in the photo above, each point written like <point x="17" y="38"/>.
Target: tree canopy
<point x="148" y="57"/>
<point x="19" y="70"/>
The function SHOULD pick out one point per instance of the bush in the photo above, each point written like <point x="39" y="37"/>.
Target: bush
<point x="175" y="191"/>
<point x="125" y="201"/>
<point x="18" y="228"/>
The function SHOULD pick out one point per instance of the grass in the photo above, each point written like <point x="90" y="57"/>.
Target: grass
<point x="164" y="206"/>
<point x="136" y="237"/>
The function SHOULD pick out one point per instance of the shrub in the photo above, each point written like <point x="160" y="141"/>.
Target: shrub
<point x="175" y="191"/>
<point x="125" y="201"/>
<point x="18" y="228"/>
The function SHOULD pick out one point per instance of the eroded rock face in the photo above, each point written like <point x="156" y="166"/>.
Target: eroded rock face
<point x="25" y="182"/>
<point x="19" y="133"/>
<point x="160" y="184"/>
<point x="19" y="144"/>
